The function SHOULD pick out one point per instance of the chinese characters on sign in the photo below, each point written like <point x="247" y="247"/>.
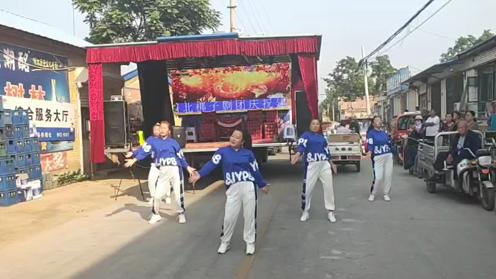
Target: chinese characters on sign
<point x="233" y="105"/>
<point x="38" y="83"/>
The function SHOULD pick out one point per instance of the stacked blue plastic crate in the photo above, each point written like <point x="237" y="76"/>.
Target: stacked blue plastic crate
<point x="19" y="153"/>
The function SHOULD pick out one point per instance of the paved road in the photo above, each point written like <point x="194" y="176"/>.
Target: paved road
<point x="417" y="235"/>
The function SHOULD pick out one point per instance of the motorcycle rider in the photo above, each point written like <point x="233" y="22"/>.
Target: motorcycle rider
<point x="465" y="138"/>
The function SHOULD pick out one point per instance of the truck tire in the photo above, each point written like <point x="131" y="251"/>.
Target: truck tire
<point x="487" y="195"/>
<point x="431" y="186"/>
<point x="357" y="167"/>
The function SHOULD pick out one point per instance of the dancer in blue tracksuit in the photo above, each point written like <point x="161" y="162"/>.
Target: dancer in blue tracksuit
<point x="241" y="177"/>
<point x="153" y="173"/>
<point x="312" y="146"/>
<point x="170" y="161"/>
<point x="381" y="148"/>
<point x="371" y="127"/>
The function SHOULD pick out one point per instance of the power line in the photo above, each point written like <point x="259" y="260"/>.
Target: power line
<point x="255" y="30"/>
<point x="258" y="15"/>
<point x="437" y="34"/>
<point x="396" y="33"/>
<point x="25" y="17"/>
<point x="417" y="27"/>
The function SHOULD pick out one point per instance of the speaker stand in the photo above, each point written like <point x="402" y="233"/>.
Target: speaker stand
<point x="117" y="188"/>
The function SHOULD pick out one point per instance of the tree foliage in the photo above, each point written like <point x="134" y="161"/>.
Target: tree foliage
<point x="113" y="21"/>
<point x="346" y="81"/>
<point x="465" y="42"/>
<point x="381" y="71"/>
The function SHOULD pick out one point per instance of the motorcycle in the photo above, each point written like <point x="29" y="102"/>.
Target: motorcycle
<point x="476" y="179"/>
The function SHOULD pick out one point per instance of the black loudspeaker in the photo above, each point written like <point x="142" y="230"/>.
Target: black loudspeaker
<point x="303" y="114"/>
<point x="179" y="134"/>
<point x="115" y="123"/>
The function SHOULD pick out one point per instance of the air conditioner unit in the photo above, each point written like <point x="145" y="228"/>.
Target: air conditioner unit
<point x="116" y="98"/>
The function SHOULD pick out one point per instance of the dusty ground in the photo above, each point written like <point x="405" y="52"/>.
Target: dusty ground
<point x="61" y="205"/>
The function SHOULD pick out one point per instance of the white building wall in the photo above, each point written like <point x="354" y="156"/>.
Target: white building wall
<point x="397" y="105"/>
<point x="411" y="100"/>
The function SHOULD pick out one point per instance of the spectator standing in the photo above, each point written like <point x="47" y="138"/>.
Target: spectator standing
<point x="471" y="121"/>
<point x="432" y="125"/>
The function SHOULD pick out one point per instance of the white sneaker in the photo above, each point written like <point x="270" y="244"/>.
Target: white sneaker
<point x="224" y="247"/>
<point x="371" y="198"/>
<point x="250" y="249"/>
<point x="331" y="217"/>
<point x="155" y="218"/>
<point x="182" y="218"/>
<point x="387" y="198"/>
<point x="304" y="216"/>
<point x="168" y="200"/>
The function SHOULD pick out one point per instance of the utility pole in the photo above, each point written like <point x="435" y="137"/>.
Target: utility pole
<point x="73" y="20"/>
<point x="367" y="101"/>
<point x="232" y="7"/>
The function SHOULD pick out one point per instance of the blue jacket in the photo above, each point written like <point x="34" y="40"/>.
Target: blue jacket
<point x="313" y="146"/>
<point x="164" y="152"/>
<point x="237" y="166"/>
<point x="379" y="143"/>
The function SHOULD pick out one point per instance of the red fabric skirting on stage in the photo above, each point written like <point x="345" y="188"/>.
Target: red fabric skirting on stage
<point x="201" y="49"/>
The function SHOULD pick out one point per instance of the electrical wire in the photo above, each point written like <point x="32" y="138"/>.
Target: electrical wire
<point x="258" y="16"/>
<point x="250" y="22"/>
<point x="417" y="27"/>
<point x="395" y="34"/>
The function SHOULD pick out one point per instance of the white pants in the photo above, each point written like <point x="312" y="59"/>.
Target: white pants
<point x="152" y="179"/>
<point x="383" y="171"/>
<point x="169" y="176"/>
<point x="318" y="170"/>
<point x="241" y="193"/>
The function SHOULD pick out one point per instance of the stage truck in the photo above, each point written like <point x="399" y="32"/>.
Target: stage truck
<point x="217" y="83"/>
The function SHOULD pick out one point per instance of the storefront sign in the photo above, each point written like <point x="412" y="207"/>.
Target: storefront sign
<point x="38" y="82"/>
<point x="395" y="84"/>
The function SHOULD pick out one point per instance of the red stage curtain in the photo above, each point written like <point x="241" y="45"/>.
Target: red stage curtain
<point x="295" y="87"/>
<point x="308" y="68"/>
<point x="200" y="49"/>
<point x="96" y="113"/>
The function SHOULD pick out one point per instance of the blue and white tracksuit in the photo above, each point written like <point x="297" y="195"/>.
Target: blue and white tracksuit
<point x="382" y="149"/>
<point x="169" y="160"/>
<point x="152" y="174"/>
<point x="241" y="177"/>
<point x="315" y="152"/>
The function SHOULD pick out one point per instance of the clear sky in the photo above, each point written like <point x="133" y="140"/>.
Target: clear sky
<point x="344" y="25"/>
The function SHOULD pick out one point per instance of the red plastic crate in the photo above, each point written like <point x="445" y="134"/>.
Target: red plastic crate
<point x="209" y="117"/>
<point x="206" y="132"/>
<point x="270" y="130"/>
<point x="271" y="116"/>
<point x="255" y="115"/>
<point x="255" y="129"/>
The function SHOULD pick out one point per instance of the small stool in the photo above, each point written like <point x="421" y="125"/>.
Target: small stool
<point x="191" y="134"/>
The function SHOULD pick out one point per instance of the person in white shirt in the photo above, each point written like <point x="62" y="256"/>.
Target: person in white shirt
<point x="432" y="125"/>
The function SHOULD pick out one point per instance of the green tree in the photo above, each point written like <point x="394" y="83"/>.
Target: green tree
<point x="381" y="71"/>
<point x="140" y="20"/>
<point x="464" y="43"/>
<point x="346" y="80"/>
